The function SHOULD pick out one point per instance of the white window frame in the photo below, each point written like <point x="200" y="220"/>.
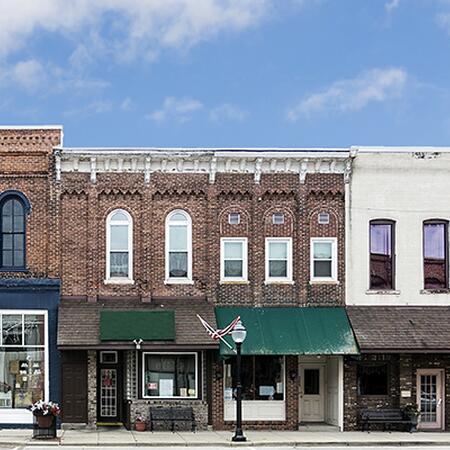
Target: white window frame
<point x="129" y="223"/>
<point x="23" y="415"/>
<point x="238" y="218"/>
<point x="171" y="354"/>
<point x="288" y="278"/>
<point x="178" y="280"/>
<point x="243" y="241"/>
<point x="333" y="242"/>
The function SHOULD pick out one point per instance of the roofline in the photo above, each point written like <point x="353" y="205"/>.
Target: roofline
<point x="31" y="127"/>
<point x="398" y="149"/>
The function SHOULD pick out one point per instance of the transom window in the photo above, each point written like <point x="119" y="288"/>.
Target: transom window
<point x="119" y="237"/>
<point x="23" y="372"/>
<point x="233" y="259"/>
<point x="278" y="259"/>
<point x="170" y="375"/>
<point x="435" y="254"/>
<point x="12" y="236"/>
<point x="382" y="254"/>
<point x="323" y="259"/>
<point x="178" y="247"/>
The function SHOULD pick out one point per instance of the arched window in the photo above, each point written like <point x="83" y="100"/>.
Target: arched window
<point x="435" y="254"/>
<point x="178" y="247"/>
<point x="119" y="246"/>
<point x="13" y="210"/>
<point x="382" y="254"/>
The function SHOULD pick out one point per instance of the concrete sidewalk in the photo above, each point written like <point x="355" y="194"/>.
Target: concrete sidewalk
<point x="123" y="438"/>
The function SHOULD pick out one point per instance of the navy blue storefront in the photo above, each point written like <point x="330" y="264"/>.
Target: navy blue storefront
<point x="29" y="359"/>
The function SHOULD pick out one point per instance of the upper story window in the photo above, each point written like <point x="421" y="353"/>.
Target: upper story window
<point x="323" y="218"/>
<point x="278" y="260"/>
<point x="178" y="247"/>
<point x="13" y="210"/>
<point x="278" y="218"/>
<point x="234" y="218"/>
<point x="435" y="254"/>
<point x="323" y="259"/>
<point x="233" y="261"/>
<point x="119" y="243"/>
<point x="382" y="245"/>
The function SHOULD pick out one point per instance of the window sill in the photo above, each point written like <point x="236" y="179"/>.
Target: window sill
<point x="234" y="282"/>
<point x="434" y="291"/>
<point x="332" y="282"/>
<point x="278" y="282"/>
<point x="382" y="292"/>
<point x="12" y="270"/>
<point x="175" y="281"/>
<point x="118" y="281"/>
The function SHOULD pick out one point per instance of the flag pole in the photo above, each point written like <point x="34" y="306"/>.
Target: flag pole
<point x="212" y="330"/>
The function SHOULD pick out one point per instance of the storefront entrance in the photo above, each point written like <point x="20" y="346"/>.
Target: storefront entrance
<point x="109" y="387"/>
<point x="430" y="398"/>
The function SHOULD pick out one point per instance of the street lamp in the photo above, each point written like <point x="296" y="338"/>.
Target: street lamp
<point x="238" y="334"/>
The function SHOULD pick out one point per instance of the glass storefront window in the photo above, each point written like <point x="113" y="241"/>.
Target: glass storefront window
<point x="22" y="360"/>
<point x="170" y="375"/>
<point x="262" y="378"/>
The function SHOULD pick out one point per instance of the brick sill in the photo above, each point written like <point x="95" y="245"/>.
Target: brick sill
<point x="381" y="292"/>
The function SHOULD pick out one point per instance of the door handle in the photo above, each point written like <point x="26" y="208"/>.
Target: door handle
<point x="439" y="402"/>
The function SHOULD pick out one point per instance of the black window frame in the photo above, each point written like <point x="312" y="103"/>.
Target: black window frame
<point x="22" y="199"/>
<point x="446" y="249"/>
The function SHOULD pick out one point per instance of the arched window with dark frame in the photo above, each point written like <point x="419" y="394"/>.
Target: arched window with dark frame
<point x="13" y="211"/>
<point x="382" y="252"/>
<point x="435" y="254"/>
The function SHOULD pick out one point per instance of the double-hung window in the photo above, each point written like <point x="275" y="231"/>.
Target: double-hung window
<point x="178" y="247"/>
<point x="233" y="262"/>
<point x="278" y="259"/>
<point x="119" y="239"/>
<point x="435" y="254"/>
<point x="382" y="245"/>
<point x="323" y="259"/>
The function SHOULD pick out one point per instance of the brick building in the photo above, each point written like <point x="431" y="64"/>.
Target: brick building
<point x="150" y="238"/>
<point x="29" y="271"/>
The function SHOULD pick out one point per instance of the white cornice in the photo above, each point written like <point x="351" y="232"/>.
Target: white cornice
<point x="255" y="161"/>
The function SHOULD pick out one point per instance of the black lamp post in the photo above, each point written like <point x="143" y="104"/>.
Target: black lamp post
<point x="238" y="334"/>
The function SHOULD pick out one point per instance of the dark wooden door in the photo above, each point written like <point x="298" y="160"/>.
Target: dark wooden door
<point x="74" y="387"/>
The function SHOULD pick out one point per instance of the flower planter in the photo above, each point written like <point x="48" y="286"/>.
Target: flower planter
<point x="140" y="426"/>
<point x="45" y="421"/>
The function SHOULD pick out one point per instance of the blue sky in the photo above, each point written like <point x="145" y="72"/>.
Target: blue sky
<point x="229" y="73"/>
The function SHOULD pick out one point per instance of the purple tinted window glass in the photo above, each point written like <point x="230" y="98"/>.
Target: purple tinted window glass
<point x="435" y="255"/>
<point x="381" y="261"/>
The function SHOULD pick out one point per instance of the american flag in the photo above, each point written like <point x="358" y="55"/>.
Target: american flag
<point x="220" y="333"/>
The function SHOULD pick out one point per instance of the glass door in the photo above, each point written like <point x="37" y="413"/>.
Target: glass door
<point x="430" y="399"/>
<point x="109" y="392"/>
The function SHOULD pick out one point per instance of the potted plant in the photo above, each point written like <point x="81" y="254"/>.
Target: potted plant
<point x="412" y="413"/>
<point x="140" y="424"/>
<point x="45" y="413"/>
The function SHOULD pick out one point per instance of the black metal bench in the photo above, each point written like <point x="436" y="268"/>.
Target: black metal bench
<point x="384" y="417"/>
<point x="172" y="416"/>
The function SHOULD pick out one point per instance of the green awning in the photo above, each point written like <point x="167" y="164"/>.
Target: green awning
<point x="291" y="331"/>
<point x="129" y="325"/>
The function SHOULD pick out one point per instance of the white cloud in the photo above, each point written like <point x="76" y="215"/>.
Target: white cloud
<point x="126" y="29"/>
<point x="127" y="104"/>
<point x="227" y="111"/>
<point x="180" y="109"/>
<point x="27" y="74"/>
<point x="376" y="85"/>
<point x="391" y="5"/>
<point x="91" y="109"/>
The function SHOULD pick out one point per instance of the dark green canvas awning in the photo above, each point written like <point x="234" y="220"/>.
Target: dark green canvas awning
<point x="129" y="325"/>
<point x="291" y="331"/>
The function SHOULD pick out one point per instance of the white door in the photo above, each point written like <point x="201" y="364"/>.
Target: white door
<point x="312" y="393"/>
<point x="430" y="398"/>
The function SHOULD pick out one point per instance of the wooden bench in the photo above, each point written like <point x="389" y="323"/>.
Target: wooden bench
<point x="172" y="416"/>
<point x="385" y="417"/>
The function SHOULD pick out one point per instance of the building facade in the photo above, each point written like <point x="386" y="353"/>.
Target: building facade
<point x="398" y="297"/>
<point x="29" y="277"/>
<point x="152" y="237"/>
